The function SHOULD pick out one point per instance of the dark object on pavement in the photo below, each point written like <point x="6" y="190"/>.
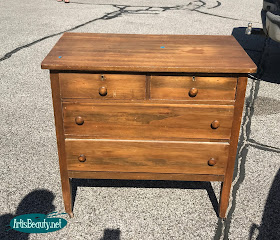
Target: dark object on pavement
<point x="271" y="19"/>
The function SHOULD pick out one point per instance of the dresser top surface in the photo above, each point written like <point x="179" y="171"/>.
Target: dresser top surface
<point x="148" y="53"/>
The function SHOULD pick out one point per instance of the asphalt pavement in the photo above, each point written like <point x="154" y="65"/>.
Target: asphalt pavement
<point x="111" y="209"/>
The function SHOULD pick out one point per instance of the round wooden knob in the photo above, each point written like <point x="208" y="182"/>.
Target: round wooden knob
<point x="82" y="158"/>
<point x="103" y="91"/>
<point x="215" y="124"/>
<point x="212" y="161"/>
<point x="79" y="120"/>
<point x="193" y="92"/>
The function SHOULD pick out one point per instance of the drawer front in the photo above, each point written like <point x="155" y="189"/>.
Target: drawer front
<point x="189" y="88"/>
<point x="107" y="86"/>
<point x="149" y="156"/>
<point x="147" y="121"/>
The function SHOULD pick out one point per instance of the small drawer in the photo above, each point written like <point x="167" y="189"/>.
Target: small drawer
<point x="149" y="156"/>
<point x="147" y="121"/>
<point x="192" y="88"/>
<point x="98" y="86"/>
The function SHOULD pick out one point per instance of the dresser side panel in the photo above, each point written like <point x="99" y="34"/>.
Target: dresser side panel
<point x="57" y="105"/>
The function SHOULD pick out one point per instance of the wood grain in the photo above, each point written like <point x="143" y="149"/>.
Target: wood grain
<point x="147" y="121"/>
<point x="145" y="53"/>
<point x="148" y="101"/>
<point x="129" y="107"/>
<point x="238" y="108"/>
<point x="154" y="157"/>
<point x="145" y="176"/>
<point x="178" y="88"/>
<point x="65" y="181"/>
<point x="119" y="86"/>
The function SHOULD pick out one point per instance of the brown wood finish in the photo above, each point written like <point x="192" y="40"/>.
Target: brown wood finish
<point x="145" y="176"/>
<point x="212" y="161"/>
<point x="146" y="121"/>
<point x="193" y="92"/>
<point x="82" y="158"/>
<point x="79" y="120"/>
<point x="65" y="181"/>
<point x="148" y="107"/>
<point x="215" y="124"/>
<point x="103" y="91"/>
<point x="102" y="86"/>
<point x="110" y="101"/>
<point x="190" y="88"/>
<point x="131" y="52"/>
<point x="238" y="108"/>
<point x="150" y="156"/>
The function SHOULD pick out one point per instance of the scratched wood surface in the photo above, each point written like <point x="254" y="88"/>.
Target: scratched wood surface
<point x="156" y="157"/>
<point x="148" y="53"/>
<point x="147" y="121"/>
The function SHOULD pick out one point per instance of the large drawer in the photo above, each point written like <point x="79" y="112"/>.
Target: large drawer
<point x="98" y="86"/>
<point x="193" y="88"/>
<point x="146" y="156"/>
<point x="147" y="121"/>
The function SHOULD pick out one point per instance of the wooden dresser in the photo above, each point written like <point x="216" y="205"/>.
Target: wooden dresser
<point x="157" y="107"/>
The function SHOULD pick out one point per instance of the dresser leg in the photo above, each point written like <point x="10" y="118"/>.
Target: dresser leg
<point x="238" y="107"/>
<point x="224" y="199"/>
<point x="65" y="180"/>
<point x="67" y="195"/>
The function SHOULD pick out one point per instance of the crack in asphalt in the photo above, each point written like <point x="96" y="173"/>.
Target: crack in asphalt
<point x="9" y="54"/>
<point x="242" y="153"/>
<point x="215" y="15"/>
<point x="223" y="227"/>
<point x="122" y="10"/>
<point x="107" y="16"/>
<point x="264" y="147"/>
<point x="218" y="5"/>
<point x="189" y="7"/>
